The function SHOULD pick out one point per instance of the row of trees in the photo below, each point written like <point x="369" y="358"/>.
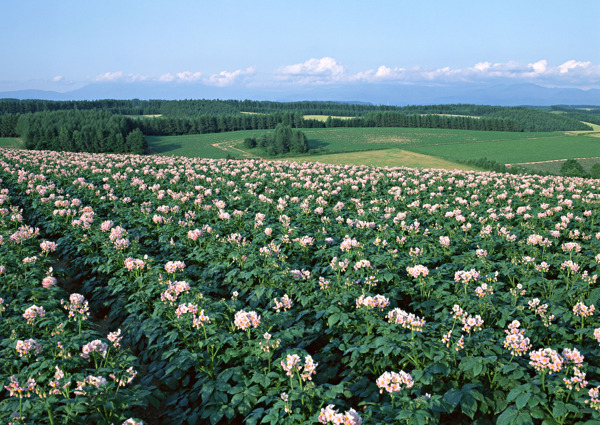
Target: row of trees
<point x="529" y="119"/>
<point x="80" y="131"/>
<point x="283" y="140"/>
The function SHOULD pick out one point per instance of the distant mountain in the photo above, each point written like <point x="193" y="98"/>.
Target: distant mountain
<point x="379" y="94"/>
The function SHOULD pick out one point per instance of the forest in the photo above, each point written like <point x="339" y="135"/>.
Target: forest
<point x="120" y="125"/>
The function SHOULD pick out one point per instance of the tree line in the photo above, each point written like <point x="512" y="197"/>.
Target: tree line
<point x="283" y="140"/>
<point x="528" y="118"/>
<point x="80" y="131"/>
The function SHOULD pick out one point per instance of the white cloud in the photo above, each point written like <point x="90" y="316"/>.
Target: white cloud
<point x="539" y="67"/>
<point x="226" y="78"/>
<point x="109" y="76"/>
<point x="571" y="65"/>
<point x="322" y="70"/>
<point x="569" y="74"/>
<point x="58" y="79"/>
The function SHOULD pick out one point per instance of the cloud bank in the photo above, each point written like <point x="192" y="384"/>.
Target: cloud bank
<point x="330" y="71"/>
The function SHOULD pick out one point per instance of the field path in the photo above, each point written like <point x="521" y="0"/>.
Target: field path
<point x="229" y="145"/>
<point x="546" y="162"/>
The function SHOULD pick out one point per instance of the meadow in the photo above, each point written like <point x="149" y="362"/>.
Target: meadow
<point x="10" y="142"/>
<point x="436" y="146"/>
<point x="386" y="158"/>
<point x="172" y="290"/>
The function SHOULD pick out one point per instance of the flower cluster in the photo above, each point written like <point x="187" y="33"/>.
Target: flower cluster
<point x="417" y="271"/>
<point x="173" y="291"/>
<point x="394" y="382"/>
<point x="329" y="415"/>
<point x="244" y="319"/>
<point x="77" y="306"/>
<point x="134" y="264"/>
<point x="406" y="320"/>
<point x="546" y="359"/>
<point x="466" y="276"/>
<point x="292" y="365"/>
<point x="31" y="313"/>
<point x="29" y="346"/>
<point x="95" y="346"/>
<point x="580" y="309"/>
<point x="378" y="301"/>
<point x="284" y="303"/>
<point x="173" y="266"/>
<point x="515" y="340"/>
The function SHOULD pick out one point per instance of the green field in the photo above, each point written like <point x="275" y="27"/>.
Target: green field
<point x="386" y="158"/>
<point x="10" y="142"/>
<point x="503" y="147"/>
<point x="201" y="145"/>
<point x="529" y="148"/>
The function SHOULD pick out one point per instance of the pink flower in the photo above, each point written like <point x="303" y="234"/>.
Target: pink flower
<point x="418" y="271"/>
<point x="394" y="382"/>
<point x="243" y="320"/>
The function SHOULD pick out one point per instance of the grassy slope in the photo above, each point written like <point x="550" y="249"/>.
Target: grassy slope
<point x="385" y="158"/>
<point x="504" y="147"/>
<point x="516" y="151"/>
<point x="10" y="142"/>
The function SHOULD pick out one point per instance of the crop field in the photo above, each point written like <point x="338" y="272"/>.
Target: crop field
<point x="10" y="142"/>
<point x="385" y="158"/>
<point x="527" y="149"/>
<point x="205" y="291"/>
<point x="503" y="147"/>
<point x="554" y="167"/>
<point x="200" y="145"/>
<point x="324" y="117"/>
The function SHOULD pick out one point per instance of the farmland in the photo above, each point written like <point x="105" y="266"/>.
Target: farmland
<point x="503" y="147"/>
<point x="385" y="158"/>
<point x="10" y="142"/>
<point x="191" y="291"/>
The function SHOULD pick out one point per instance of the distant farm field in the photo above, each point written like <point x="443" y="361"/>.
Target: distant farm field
<point x="324" y="117"/>
<point x="10" y="142"/>
<point x="527" y="149"/>
<point x="385" y="158"/>
<point x="452" y="145"/>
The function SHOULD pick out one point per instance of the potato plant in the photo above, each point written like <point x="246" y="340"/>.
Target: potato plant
<point x="274" y="292"/>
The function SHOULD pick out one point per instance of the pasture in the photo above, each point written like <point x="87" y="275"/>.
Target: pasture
<point x="431" y="144"/>
<point x="10" y="142"/>
<point x="385" y="158"/>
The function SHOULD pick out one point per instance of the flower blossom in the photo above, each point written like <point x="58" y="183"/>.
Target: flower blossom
<point x="243" y="320"/>
<point x="378" y="301"/>
<point x="546" y="359"/>
<point x="417" y="271"/>
<point x="329" y="415"/>
<point x="32" y="312"/>
<point x="394" y="382"/>
<point x="406" y="320"/>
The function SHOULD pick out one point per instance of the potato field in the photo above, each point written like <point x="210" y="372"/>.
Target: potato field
<point x="144" y="289"/>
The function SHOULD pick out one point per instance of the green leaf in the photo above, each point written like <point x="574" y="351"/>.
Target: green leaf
<point x="513" y="394"/>
<point x="559" y="409"/>
<point x="453" y="397"/>
<point x="468" y="405"/>
<point x="522" y="400"/>
<point x="477" y="368"/>
<point x="507" y="416"/>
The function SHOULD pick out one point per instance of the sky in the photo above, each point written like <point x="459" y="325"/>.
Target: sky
<point x="62" y="45"/>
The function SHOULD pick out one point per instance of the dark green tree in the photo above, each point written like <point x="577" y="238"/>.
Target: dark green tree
<point x="572" y="168"/>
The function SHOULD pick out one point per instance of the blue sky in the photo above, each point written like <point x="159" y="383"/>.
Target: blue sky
<point x="64" y="44"/>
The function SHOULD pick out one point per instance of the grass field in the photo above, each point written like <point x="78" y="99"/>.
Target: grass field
<point x="503" y="147"/>
<point x="526" y="149"/>
<point x="10" y="142"/>
<point x="324" y="117"/>
<point x="554" y="166"/>
<point x="215" y="145"/>
<point x="386" y="158"/>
